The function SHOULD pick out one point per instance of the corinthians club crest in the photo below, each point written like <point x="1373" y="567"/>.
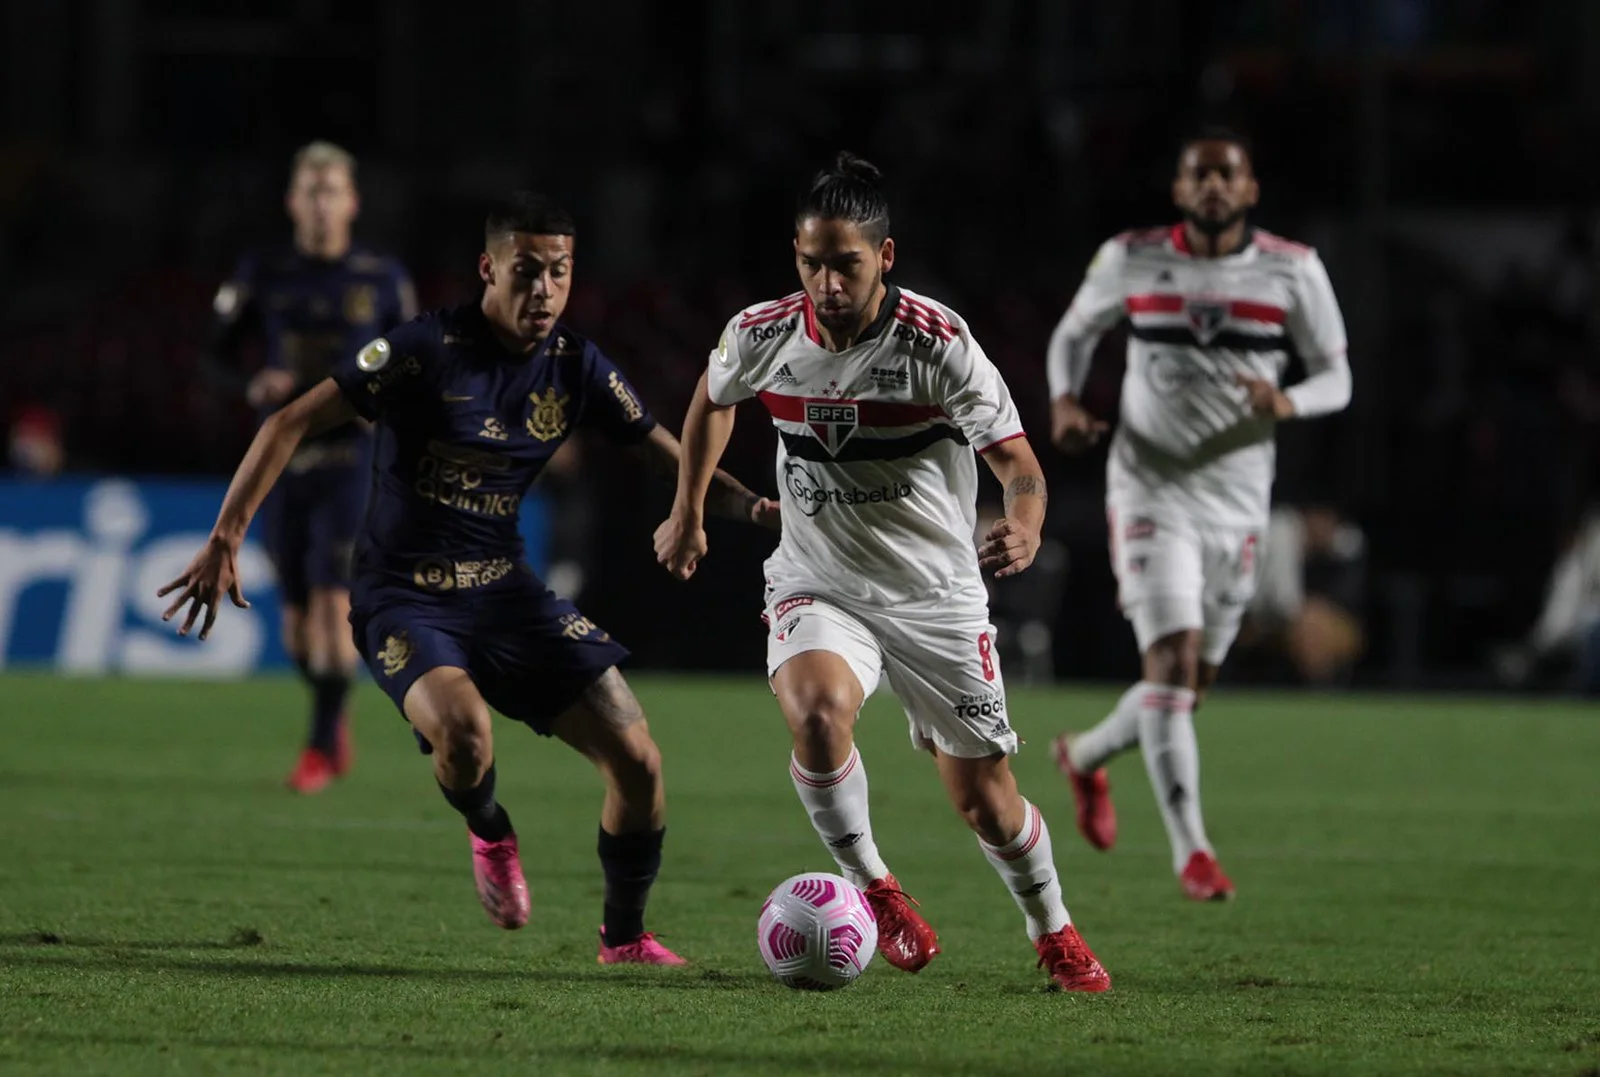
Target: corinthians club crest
<point x="1205" y="318"/>
<point x="548" y="419"/>
<point x="832" y="423"/>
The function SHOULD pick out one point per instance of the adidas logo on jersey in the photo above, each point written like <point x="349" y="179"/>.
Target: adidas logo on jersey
<point x="785" y="376"/>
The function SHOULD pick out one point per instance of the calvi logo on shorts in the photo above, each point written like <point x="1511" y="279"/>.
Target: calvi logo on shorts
<point x="832" y="423"/>
<point x="396" y="653"/>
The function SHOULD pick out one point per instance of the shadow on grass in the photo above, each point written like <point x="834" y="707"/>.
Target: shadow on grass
<point x="147" y="955"/>
<point x="805" y="1054"/>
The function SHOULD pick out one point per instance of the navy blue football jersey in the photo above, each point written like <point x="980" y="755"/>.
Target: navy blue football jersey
<point x="311" y="313"/>
<point x="464" y="426"/>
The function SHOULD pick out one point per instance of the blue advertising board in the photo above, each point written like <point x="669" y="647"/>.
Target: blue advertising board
<point x="81" y="560"/>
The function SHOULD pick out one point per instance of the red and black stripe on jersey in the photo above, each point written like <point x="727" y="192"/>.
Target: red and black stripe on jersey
<point x="876" y="416"/>
<point x="1271" y="339"/>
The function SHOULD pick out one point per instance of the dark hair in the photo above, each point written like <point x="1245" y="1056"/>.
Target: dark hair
<point x="527" y="211"/>
<point x="1217" y="133"/>
<point x="850" y="190"/>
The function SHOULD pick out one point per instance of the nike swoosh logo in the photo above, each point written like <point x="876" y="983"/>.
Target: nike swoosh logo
<point x="455" y="398"/>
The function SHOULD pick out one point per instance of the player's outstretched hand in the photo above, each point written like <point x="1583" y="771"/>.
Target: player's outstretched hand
<point x="1072" y="429"/>
<point x="765" y="513"/>
<point x="1265" y="398"/>
<point x="679" y="546"/>
<point x="1008" y="548"/>
<point x="213" y="573"/>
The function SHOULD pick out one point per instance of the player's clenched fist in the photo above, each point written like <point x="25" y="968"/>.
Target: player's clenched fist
<point x="1073" y="429"/>
<point x="680" y="545"/>
<point x="1008" y="548"/>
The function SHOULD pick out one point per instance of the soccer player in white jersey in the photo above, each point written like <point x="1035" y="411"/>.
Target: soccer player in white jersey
<point x="881" y="399"/>
<point x="1215" y="307"/>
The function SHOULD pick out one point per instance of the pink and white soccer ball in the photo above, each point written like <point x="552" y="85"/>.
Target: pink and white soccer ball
<point x="817" y="932"/>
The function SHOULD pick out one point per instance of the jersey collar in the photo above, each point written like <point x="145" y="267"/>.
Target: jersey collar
<point x="1180" y="240"/>
<point x="891" y="303"/>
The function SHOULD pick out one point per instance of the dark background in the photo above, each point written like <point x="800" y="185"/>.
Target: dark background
<point x="1436" y="153"/>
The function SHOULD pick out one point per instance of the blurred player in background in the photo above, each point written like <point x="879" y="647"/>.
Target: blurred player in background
<point x="1308" y="600"/>
<point x="312" y="304"/>
<point x="1215" y="307"/>
<point x="880" y="398"/>
<point x="470" y="404"/>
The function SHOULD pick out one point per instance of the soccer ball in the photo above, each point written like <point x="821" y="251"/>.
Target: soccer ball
<point x="816" y="932"/>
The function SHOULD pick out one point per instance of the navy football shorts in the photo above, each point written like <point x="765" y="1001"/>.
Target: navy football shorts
<point x="530" y="653"/>
<point x="310" y="522"/>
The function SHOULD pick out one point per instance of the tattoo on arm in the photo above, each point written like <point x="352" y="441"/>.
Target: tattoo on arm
<point x="1025" y="486"/>
<point x="729" y="498"/>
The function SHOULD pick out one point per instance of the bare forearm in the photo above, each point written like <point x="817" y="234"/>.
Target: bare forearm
<point x="729" y="498"/>
<point x="265" y="460"/>
<point x="322" y="408"/>
<point x="706" y="430"/>
<point x="1025" y="498"/>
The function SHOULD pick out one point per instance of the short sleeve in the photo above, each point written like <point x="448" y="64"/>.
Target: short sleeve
<point x="612" y="404"/>
<point x="726" y="380"/>
<point x="386" y="371"/>
<point x="975" y="396"/>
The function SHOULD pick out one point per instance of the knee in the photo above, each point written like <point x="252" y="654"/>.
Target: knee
<point x="637" y="767"/>
<point x="822" y="717"/>
<point x="466" y="742"/>
<point x="1174" y="660"/>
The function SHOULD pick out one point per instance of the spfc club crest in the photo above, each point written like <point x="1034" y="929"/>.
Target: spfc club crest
<point x="1206" y="318"/>
<point x="832" y="423"/>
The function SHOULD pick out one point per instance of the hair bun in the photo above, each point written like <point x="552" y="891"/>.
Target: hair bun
<point x="849" y="165"/>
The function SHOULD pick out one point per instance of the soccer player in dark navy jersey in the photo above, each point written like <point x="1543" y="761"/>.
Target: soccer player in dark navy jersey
<point x="469" y="405"/>
<point x="311" y="304"/>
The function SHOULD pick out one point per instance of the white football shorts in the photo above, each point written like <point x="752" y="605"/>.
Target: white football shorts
<point x="1176" y="574"/>
<point x="944" y="668"/>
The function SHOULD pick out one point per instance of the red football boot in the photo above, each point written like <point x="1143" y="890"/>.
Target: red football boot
<point x="1072" y="964"/>
<point x="312" y="773"/>
<point x="905" y="939"/>
<point x="1203" y="880"/>
<point x="1097" y="819"/>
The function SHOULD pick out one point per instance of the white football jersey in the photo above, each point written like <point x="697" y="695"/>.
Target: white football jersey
<point x="875" y="461"/>
<point x="1188" y="440"/>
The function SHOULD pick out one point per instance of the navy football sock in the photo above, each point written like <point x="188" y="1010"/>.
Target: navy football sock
<point x="631" y="862"/>
<point x="328" y="693"/>
<point x="304" y="666"/>
<point x="484" y="815"/>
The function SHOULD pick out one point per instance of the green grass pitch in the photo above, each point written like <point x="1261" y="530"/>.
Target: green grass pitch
<point x="1419" y="887"/>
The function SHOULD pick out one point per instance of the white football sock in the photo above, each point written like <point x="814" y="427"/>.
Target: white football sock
<point x="1027" y="866"/>
<point x="1172" y="758"/>
<point x="837" y="804"/>
<point x="1116" y="733"/>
